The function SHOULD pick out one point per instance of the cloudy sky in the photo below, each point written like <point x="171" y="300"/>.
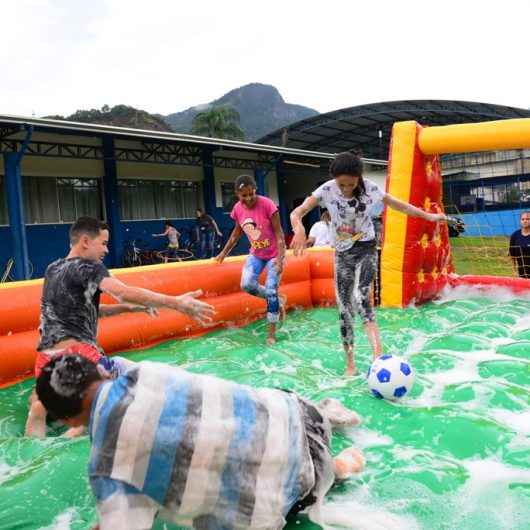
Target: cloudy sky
<point x="164" y="56"/>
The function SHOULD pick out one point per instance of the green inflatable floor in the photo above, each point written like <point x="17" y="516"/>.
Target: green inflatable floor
<point x="455" y="454"/>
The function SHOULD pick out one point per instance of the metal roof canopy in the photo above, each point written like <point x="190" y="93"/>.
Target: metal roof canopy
<point x="369" y="127"/>
<point x="176" y="147"/>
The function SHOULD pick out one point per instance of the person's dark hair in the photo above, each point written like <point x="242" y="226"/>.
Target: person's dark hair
<point x="86" y="225"/>
<point x="168" y="223"/>
<point x="243" y="181"/>
<point x="349" y="164"/>
<point x="62" y="384"/>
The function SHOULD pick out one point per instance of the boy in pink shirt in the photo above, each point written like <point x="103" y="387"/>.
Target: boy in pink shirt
<point x="258" y="218"/>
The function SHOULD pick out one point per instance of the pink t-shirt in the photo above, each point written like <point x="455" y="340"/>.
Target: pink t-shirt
<point x="256" y="223"/>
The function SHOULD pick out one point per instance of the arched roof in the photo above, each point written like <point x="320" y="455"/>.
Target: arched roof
<point x="368" y="127"/>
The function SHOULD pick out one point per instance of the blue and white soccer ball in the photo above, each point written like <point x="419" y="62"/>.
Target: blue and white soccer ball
<point x="390" y="377"/>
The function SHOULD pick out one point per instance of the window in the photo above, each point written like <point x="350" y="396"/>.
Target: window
<point x="158" y="199"/>
<point x="4" y="218"/>
<point x="228" y="196"/>
<point x="60" y="200"/>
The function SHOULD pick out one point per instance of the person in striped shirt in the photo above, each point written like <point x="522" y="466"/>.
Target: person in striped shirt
<point x="197" y="450"/>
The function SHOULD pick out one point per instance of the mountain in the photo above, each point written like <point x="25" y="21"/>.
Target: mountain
<point x="262" y="110"/>
<point x="120" y="116"/>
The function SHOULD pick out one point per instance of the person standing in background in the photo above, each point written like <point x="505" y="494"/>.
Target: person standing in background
<point x="207" y="229"/>
<point x="520" y="247"/>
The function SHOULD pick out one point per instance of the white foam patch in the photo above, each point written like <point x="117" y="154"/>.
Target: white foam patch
<point x="466" y="370"/>
<point x="364" y="438"/>
<point x="63" y="521"/>
<point x="522" y="324"/>
<point x="416" y="344"/>
<point x="7" y="471"/>
<point x="351" y="514"/>
<point x="492" y="471"/>
<point x="482" y="498"/>
<point x="516" y="421"/>
<point x="493" y="292"/>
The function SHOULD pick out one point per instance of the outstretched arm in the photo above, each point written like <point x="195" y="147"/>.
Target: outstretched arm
<point x="186" y="303"/>
<point x="412" y="211"/>
<point x="298" y="243"/>
<point x="162" y="234"/>
<point x="109" y="310"/>
<point x="235" y="236"/>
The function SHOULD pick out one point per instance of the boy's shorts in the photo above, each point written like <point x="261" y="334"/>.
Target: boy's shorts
<point x="172" y="251"/>
<point x="84" y="350"/>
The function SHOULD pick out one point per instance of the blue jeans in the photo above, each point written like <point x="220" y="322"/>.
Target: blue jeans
<point x="207" y="241"/>
<point x="249" y="283"/>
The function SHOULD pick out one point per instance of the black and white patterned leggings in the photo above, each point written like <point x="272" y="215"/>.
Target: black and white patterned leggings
<point x="354" y="272"/>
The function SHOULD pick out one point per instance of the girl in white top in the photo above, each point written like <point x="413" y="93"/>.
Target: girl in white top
<point x="349" y="199"/>
<point x="320" y="233"/>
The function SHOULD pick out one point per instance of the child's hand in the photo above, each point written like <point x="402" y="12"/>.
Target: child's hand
<point x="298" y="244"/>
<point x="220" y="258"/>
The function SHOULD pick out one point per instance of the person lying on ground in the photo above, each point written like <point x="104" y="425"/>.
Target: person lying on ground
<point x="197" y="450"/>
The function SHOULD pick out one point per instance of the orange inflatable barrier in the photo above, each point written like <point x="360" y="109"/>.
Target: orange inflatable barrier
<point x="306" y="281"/>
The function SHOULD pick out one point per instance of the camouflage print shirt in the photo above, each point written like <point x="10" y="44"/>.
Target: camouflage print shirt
<point x="70" y="301"/>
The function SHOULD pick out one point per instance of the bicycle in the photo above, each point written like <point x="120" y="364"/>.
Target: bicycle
<point x="8" y="276"/>
<point x="134" y="256"/>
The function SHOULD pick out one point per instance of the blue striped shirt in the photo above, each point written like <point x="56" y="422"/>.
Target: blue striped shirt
<point x="196" y="450"/>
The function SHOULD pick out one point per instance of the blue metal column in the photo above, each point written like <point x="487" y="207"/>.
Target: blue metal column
<point x="112" y="201"/>
<point x="259" y="175"/>
<point x="15" y="208"/>
<point x="208" y="183"/>
<point x="284" y="212"/>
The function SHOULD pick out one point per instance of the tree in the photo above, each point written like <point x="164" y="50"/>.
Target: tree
<point x="218" y="122"/>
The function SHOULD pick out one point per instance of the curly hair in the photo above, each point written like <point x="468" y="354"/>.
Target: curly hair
<point x="62" y="384"/>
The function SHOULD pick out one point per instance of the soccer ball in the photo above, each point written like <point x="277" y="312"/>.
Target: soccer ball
<point x="390" y="377"/>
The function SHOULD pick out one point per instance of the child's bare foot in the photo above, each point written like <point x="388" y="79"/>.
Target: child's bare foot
<point x="271" y="336"/>
<point x="348" y="462"/>
<point x="337" y="414"/>
<point x="351" y="369"/>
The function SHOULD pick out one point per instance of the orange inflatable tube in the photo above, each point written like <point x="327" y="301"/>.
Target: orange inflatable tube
<point x="306" y="281"/>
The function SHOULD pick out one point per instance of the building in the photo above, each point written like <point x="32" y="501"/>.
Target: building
<point x="52" y="172"/>
<point x="488" y="189"/>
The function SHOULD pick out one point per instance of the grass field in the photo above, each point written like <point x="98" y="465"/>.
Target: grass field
<point x="482" y="255"/>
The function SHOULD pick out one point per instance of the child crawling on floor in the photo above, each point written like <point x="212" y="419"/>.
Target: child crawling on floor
<point x="197" y="450"/>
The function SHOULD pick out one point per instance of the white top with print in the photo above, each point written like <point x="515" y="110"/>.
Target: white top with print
<point x="350" y="218"/>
